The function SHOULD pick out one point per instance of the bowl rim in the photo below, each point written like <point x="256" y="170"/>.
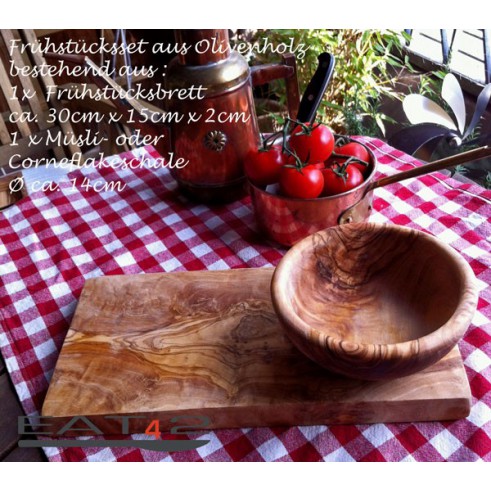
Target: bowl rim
<point x="465" y="308"/>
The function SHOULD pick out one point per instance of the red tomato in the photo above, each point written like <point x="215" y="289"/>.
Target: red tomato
<point x="334" y="183"/>
<point x="354" y="149"/>
<point x="314" y="145"/>
<point x="334" y="162"/>
<point x="306" y="183"/>
<point x="263" y="167"/>
<point x="318" y="165"/>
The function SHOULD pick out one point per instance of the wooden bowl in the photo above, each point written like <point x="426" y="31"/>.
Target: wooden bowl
<point x="373" y="301"/>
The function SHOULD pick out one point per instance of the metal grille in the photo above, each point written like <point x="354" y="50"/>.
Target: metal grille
<point x="463" y="51"/>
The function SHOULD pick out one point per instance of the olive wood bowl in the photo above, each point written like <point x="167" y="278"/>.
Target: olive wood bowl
<point x="373" y="301"/>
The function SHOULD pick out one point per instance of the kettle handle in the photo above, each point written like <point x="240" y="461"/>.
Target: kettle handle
<point x="287" y="70"/>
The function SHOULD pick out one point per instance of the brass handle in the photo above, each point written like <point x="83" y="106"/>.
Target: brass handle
<point x="461" y="158"/>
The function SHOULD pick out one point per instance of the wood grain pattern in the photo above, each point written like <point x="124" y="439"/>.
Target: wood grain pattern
<point x="210" y="344"/>
<point x="374" y="301"/>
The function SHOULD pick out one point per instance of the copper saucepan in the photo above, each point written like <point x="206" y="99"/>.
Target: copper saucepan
<point x="288" y="220"/>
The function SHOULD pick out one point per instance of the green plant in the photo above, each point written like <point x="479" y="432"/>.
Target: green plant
<point x="430" y="85"/>
<point x="458" y="169"/>
<point x="361" y="76"/>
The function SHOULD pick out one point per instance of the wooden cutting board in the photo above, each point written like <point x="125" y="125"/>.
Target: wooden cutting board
<point x="209" y="344"/>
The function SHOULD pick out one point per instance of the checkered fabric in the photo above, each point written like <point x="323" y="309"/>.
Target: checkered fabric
<point x="52" y="241"/>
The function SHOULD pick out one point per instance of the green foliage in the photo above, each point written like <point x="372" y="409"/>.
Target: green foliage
<point x="458" y="169"/>
<point x="362" y="74"/>
<point x="430" y="85"/>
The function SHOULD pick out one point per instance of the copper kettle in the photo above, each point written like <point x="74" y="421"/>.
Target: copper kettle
<point x="216" y="143"/>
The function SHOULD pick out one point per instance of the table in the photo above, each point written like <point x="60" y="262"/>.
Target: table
<point x="51" y="242"/>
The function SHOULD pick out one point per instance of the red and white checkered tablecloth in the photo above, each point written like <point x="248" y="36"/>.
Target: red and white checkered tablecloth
<point x="51" y="242"/>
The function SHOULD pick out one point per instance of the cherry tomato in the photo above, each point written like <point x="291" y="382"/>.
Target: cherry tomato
<point x="306" y="183"/>
<point x="318" y="165"/>
<point x="354" y="149"/>
<point x="314" y="144"/>
<point x="263" y="167"/>
<point x="334" y="183"/>
<point x="334" y="162"/>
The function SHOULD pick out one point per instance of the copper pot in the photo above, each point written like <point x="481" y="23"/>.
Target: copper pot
<point x="288" y="220"/>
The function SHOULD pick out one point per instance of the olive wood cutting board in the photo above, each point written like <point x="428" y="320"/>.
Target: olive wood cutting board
<point x="208" y="343"/>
